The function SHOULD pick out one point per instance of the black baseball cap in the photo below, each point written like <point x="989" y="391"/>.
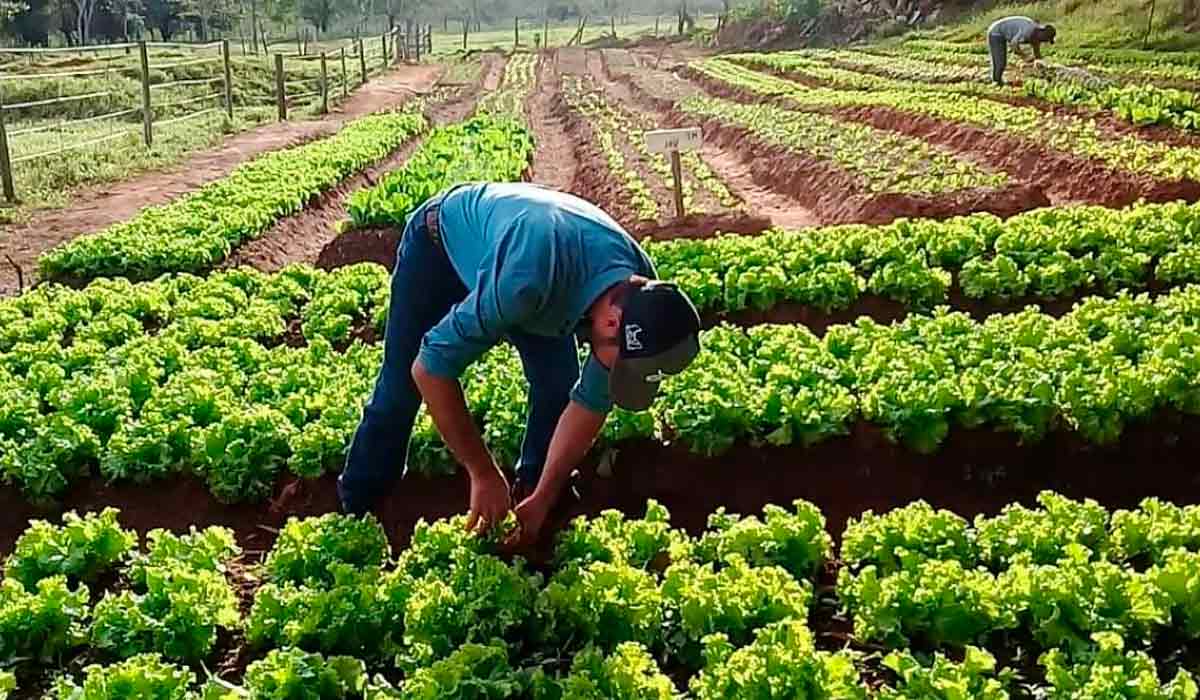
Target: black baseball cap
<point x="660" y="335"/>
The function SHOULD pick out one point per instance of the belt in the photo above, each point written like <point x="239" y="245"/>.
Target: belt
<point x="433" y="226"/>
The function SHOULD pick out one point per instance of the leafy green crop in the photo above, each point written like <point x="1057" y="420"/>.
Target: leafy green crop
<point x="1111" y="672"/>
<point x="795" y="540"/>
<point x="81" y="549"/>
<point x="481" y="149"/>
<point x="650" y="542"/>
<point x="43" y="624"/>
<point x="177" y="613"/>
<point x="1075" y="135"/>
<point x="628" y="673"/>
<point x="975" y="677"/>
<point x="198" y="230"/>
<point x="781" y="662"/>
<point x="305" y="549"/>
<point x="905" y="537"/>
<point x="286" y="674"/>
<point x="735" y="600"/>
<point x="941" y="602"/>
<point x="881" y="160"/>
<point x="142" y="677"/>
<point x="210" y="549"/>
<point x="479" y="671"/>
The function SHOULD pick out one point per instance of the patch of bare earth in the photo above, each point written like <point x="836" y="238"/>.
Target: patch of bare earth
<point x="303" y="236"/>
<point x="554" y="162"/>
<point x="96" y="208"/>
<point x="1064" y="177"/>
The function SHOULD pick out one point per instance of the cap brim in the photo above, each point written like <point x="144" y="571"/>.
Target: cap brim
<point x="627" y="382"/>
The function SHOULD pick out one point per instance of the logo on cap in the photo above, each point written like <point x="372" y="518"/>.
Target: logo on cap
<point x="656" y="377"/>
<point x="632" y="341"/>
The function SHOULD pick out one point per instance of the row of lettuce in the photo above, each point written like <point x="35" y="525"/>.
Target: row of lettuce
<point x="1086" y="592"/>
<point x="240" y="375"/>
<point x="1127" y="96"/>
<point x="825" y="87"/>
<point x="492" y="146"/>
<point x="198" y="231"/>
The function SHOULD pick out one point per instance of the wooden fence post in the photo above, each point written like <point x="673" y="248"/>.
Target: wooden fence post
<point x="362" y="60"/>
<point x="228" y="79"/>
<point x="147" y="115"/>
<point x="280" y="95"/>
<point x="324" y="85"/>
<point x="345" y="74"/>
<point x="677" y="176"/>
<point x="383" y="44"/>
<point x="417" y="45"/>
<point x="516" y="32"/>
<point x="6" y="174"/>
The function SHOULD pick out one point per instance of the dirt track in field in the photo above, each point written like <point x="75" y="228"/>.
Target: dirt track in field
<point x="98" y="207"/>
<point x="303" y="236"/>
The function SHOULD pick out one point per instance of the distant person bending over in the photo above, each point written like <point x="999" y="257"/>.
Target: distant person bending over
<point x="1015" y="31"/>
<point x="485" y="263"/>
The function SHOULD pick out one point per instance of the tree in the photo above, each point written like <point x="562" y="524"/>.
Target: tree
<point x="164" y="15"/>
<point x="30" y="24"/>
<point x="84" y="11"/>
<point x="204" y="12"/>
<point x="320" y="12"/>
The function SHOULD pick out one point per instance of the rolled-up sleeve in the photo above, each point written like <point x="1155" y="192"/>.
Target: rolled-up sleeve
<point x="592" y="388"/>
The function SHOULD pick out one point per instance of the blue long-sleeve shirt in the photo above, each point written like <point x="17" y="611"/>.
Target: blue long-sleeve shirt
<point x="534" y="260"/>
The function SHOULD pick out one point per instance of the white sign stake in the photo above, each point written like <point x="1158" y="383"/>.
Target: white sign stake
<point x="674" y="141"/>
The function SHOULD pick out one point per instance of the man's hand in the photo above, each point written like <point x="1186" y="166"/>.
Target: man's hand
<point x="531" y="517"/>
<point x="490" y="501"/>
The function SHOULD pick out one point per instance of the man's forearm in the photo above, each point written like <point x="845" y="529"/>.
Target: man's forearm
<point x="448" y="408"/>
<point x="573" y="436"/>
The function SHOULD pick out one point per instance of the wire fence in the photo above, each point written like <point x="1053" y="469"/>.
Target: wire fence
<point x="57" y="102"/>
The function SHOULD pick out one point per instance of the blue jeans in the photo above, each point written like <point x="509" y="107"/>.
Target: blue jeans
<point x="424" y="288"/>
<point x="998" y="52"/>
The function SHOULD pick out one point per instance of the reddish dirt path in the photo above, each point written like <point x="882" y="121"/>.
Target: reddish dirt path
<point x="554" y="161"/>
<point x="303" y="236"/>
<point x="97" y="207"/>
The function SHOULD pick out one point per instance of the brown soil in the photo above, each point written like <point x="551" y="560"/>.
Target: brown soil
<point x="303" y="236"/>
<point x="781" y="210"/>
<point x="836" y="196"/>
<point x="554" y="162"/>
<point x="98" y="207"/>
<point x="1103" y="118"/>
<point x="885" y="310"/>
<point x="373" y="244"/>
<point x="975" y="471"/>
<point x="1064" y="177"/>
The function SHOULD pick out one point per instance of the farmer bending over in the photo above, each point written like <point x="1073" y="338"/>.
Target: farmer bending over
<point x="482" y="263"/>
<point x="1015" y="31"/>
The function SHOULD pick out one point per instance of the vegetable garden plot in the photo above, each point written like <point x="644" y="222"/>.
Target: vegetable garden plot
<point x="1154" y="170"/>
<point x="198" y="231"/>
<point x="236" y="377"/>
<point x="850" y="172"/>
<point x="621" y="130"/>
<point x="623" y="607"/>
<point x="1132" y="102"/>
<point x="976" y="263"/>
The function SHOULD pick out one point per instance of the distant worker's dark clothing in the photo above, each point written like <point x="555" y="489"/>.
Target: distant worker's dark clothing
<point x="1010" y="30"/>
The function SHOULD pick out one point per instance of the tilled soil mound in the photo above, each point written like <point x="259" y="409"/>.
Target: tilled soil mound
<point x="1062" y="175"/>
<point x="974" y="471"/>
<point x="837" y="196"/>
<point x="374" y="244"/>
